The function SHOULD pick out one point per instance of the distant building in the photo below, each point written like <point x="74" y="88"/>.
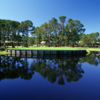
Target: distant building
<point x="9" y="43"/>
<point x="43" y="42"/>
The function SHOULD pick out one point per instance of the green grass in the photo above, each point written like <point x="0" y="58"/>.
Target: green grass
<point x="46" y="48"/>
<point x="3" y="52"/>
<point x="56" y="48"/>
<point x="93" y="49"/>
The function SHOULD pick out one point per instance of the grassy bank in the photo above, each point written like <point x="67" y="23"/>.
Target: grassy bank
<point x="3" y="52"/>
<point x="56" y="48"/>
<point x="46" y="48"/>
<point x="93" y="49"/>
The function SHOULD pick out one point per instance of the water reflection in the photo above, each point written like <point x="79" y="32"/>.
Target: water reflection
<point x="59" y="70"/>
<point x="14" y="67"/>
<point x="93" y="58"/>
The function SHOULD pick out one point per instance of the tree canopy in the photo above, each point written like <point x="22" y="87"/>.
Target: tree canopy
<point x="55" y="32"/>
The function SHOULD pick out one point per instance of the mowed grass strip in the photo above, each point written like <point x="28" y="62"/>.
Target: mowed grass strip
<point x="91" y="49"/>
<point x="46" y="48"/>
<point x="56" y="48"/>
<point x="4" y="53"/>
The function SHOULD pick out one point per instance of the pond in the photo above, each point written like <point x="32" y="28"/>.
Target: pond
<point x="67" y="78"/>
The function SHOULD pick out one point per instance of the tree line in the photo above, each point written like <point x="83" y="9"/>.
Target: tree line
<point x="90" y="40"/>
<point x="59" y="33"/>
<point x="55" y="32"/>
<point x="15" y="31"/>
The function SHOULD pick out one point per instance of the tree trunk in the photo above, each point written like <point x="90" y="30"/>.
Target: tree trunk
<point x="17" y="44"/>
<point x="26" y="45"/>
<point x="4" y="44"/>
<point x="7" y="39"/>
<point x="53" y="42"/>
<point x="73" y="42"/>
<point x="62" y="37"/>
<point x="39" y="40"/>
<point x="68" y="37"/>
<point x="18" y="40"/>
<point x="49" y="41"/>
<point x="0" y="37"/>
<point x="68" y="41"/>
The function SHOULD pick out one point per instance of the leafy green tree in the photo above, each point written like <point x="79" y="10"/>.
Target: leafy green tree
<point x="62" y="21"/>
<point x="1" y="27"/>
<point x="14" y="27"/>
<point x="8" y="29"/>
<point x="26" y="27"/>
<point x="89" y="39"/>
<point x="84" y="40"/>
<point x="46" y="33"/>
<point x="31" y="40"/>
<point x="75" y="27"/>
<point x="3" y="35"/>
<point x="38" y="33"/>
<point x="53" y="23"/>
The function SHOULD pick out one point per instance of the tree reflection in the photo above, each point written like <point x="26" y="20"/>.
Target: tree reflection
<point x="53" y="70"/>
<point x="93" y="58"/>
<point x="13" y="68"/>
<point x="61" y="69"/>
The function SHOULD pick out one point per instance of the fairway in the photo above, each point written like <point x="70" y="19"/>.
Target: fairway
<point x="47" y="48"/>
<point x="56" y="48"/>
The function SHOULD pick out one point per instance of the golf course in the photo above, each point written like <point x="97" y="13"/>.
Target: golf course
<point x="2" y="52"/>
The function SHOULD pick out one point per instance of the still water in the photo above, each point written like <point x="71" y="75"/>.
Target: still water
<point x="50" y="79"/>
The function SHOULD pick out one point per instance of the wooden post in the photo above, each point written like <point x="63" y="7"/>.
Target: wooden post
<point x="15" y="53"/>
<point x="49" y="54"/>
<point x="43" y="54"/>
